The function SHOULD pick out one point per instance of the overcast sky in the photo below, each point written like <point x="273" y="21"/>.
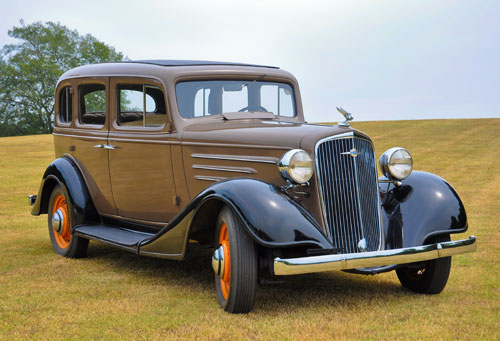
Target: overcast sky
<point x="380" y="60"/>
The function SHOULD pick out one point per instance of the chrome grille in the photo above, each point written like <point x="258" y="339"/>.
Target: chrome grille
<point x="349" y="191"/>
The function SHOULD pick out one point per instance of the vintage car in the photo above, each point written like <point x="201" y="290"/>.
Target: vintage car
<point x="154" y="155"/>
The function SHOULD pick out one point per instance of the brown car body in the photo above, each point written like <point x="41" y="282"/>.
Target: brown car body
<point x="187" y="140"/>
<point x="156" y="180"/>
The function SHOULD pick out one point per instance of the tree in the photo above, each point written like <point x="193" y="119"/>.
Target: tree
<point x="29" y="71"/>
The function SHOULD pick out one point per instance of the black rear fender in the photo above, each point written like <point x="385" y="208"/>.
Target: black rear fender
<point x="64" y="172"/>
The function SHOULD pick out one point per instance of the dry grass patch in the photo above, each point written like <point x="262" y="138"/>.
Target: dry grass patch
<point x="113" y="294"/>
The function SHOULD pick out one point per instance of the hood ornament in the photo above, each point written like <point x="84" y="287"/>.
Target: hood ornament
<point x="348" y="117"/>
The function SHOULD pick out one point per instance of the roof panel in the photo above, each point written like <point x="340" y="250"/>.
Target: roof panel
<point x="166" y="62"/>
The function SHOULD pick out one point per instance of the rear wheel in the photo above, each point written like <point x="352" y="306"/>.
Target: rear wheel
<point x="428" y="277"/>
<point x="235" y="264"/>
<point x="60" y="221"/>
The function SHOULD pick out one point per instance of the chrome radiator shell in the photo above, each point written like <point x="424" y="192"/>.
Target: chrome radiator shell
<point x="347" y="180"/>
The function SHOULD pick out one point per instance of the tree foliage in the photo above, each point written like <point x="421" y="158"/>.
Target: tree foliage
<point x="30" y="69"/>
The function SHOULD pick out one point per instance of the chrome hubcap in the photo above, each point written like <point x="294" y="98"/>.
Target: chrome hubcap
<point x="218" y="261"/>
<point x="58" y="221"/>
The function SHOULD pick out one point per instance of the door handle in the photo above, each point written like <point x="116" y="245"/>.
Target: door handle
<point x="106" y="146"/>
<point x="110" y="146"/>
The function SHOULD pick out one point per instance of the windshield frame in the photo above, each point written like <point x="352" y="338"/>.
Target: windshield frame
<point x="246" y="80"/>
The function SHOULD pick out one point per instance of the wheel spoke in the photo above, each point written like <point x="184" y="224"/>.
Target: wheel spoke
<point x="236" y="278"/>
<point x="64" y="237"/>
<point x="224" y="241"/>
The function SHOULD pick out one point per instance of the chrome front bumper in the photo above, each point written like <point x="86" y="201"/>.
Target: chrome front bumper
<point x="304" y="265"/>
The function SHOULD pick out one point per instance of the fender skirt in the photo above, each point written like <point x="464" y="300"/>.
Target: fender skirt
<point x="64" y="172"/>
<point x="270" y="217"/>
<point x="424" y="206"/>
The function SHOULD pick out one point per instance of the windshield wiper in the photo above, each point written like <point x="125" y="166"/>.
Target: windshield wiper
<point x="246" y="84"/>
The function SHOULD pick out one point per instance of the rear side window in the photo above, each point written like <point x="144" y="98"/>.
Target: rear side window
<point x="92" y="98"/>
<point x="141" y="105"/>
<point x="66" y="105"/>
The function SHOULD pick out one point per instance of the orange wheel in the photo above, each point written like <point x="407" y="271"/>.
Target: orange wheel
<point x="224" y="241"/>
<point x="63" y="234"/>
<point x="234" y="263"/>
<point x="61" y="219"/>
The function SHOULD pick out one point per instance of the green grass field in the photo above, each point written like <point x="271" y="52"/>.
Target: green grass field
<point x="113" y="294"/>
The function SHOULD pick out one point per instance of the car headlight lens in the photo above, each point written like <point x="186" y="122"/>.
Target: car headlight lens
<point x="396" y="163"/>
<point x="296" y="165"/>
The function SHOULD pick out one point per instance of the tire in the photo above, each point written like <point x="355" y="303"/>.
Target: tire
<point x="429" y="277"/>
<point x="236" y="290"/>
<point x="63" y="242"/>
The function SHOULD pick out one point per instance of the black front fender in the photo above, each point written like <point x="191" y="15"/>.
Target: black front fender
<point x="270" y="217"/>
<point x="424" y="206"/>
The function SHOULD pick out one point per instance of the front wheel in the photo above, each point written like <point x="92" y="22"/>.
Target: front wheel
<point x="61" y="220"/>
<point x="235" y="264"/>
<point x="428" y="277"/>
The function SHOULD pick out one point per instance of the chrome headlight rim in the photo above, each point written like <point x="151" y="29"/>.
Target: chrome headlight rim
<point x="389" y="166"/>
<point x="287" y="163"/>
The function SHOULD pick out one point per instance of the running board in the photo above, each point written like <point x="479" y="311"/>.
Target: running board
<point x="117" y="236"/>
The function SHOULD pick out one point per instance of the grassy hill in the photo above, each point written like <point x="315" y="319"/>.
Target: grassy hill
<point x="114" y="294"/>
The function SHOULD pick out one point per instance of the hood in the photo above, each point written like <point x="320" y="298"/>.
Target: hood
<point x="255" y="133"/>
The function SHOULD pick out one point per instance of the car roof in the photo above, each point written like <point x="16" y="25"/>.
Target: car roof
<point x="179" y="62"/>
<point x="170" y="70"/>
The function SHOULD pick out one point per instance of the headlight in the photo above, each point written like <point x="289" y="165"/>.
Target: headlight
<point x="296" y="165"/>
<point x="396" y="163"/>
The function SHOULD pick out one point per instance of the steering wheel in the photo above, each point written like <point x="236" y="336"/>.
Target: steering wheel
<point x="253" y="108"/>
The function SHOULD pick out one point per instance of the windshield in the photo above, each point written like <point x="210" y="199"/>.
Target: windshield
<point x="213" y="97"/>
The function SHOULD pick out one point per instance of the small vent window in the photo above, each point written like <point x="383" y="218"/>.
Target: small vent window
<point x="66" y="105"/>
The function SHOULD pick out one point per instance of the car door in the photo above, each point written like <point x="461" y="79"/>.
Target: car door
<point x="89" y="135"/>
<point x="140" y="155"/>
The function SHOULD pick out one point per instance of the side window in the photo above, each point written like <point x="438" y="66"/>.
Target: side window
<point x="92" y="98"/>
<point x="66" y="105"/>
<point x="141" y="105"/>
